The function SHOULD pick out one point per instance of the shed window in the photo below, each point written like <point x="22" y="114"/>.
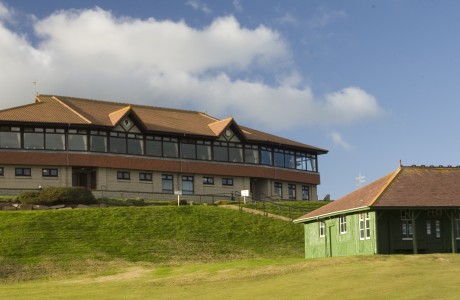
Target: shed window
<point x="406" y="225"/>
<point x="322" y="229"/>
<point x="364" y="226"/>
<point x="343" y="224"/>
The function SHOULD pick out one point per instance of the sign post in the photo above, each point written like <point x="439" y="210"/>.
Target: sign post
<point x="178" y="193"/>
<point x="244" y="193"/>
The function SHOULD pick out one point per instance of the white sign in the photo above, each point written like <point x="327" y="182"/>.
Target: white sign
<point x="177" y="192"/>
<point x="245" y="193"/>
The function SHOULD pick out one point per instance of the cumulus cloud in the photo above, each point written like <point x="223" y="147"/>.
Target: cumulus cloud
<point x="91" y="53"/>
<point x="4" y="12"/>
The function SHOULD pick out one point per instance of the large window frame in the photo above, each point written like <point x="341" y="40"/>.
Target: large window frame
<point x="187" y="185"/>
<point x="305" y="192"/>
<point x="278" y="188"/>
<point x="167" y="184"/>
<point x="292" y="191"/>
<point x="10" y="137"/>
<point x="364" y="226"/>
<point x="123" y="175"/>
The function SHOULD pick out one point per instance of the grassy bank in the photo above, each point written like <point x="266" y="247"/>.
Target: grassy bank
<point x="368" y="277"/>
<point x="36" y="244"/>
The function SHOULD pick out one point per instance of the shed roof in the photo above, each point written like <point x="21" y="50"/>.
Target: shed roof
<point x="408" y="186"/>
<point x="50" y="109"/>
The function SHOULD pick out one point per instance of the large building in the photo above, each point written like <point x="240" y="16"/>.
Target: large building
<point x="414" y="209"/>
<point x="124" y="150"/>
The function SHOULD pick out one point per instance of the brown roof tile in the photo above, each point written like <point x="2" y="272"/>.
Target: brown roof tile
<point x="50" y="109"/>
<point x="406" y="187"/>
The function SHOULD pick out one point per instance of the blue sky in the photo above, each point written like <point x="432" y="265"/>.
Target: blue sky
<point x="374" y="82"/>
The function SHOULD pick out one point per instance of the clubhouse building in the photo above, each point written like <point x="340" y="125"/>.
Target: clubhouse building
<point x="126" y="150"/>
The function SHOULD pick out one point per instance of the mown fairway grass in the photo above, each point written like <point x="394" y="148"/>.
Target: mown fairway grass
<point x="369" y="277"/>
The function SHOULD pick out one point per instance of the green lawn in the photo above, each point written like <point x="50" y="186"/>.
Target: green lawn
<point x="366" y="277"/>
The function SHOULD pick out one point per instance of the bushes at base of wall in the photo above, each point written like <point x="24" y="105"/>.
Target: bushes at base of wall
<point x="58" y="195"/>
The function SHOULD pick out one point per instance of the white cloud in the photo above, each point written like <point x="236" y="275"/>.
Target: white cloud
<point x="198" y="5"/>
<point x="4" y="11"/>
<point x="91" y="53"/>
<point x="339" y="141"/>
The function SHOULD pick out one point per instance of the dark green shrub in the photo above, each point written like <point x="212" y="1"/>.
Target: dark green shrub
<point x="58" y="195"/>
<point x="181" y="202"/>
<point x="225" y="202"/>
<point x="135" y="202"/>
<point x="29" y="197"/>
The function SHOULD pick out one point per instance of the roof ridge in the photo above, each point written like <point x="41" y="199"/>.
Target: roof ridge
<point x="71" y="109"/>
<point x="390" y="181"/>
<point x="124" y="104"/>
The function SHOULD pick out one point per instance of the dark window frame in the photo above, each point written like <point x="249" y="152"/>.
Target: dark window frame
<point x="2" y="171"/>
<point x="227" y="181"/>
<point x="165" y="178"/>
<point x="50" y="172"/>
<point x="208" y="180"/>
<point x="23" y="172"/>
<point x="123" y="175"/>
<point x="188" y="179"/>
<point x="292" y="191"/>
<point x="146" y="176"/>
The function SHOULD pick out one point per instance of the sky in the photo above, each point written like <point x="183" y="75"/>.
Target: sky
<point x="373" y="82"/>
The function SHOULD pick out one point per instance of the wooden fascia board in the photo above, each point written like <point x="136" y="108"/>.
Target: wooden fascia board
<point x="333" y="214"/>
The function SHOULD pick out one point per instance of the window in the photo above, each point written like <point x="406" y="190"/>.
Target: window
<point x="305" y="192"/>
<point x="278" y="189"/>
<point x="77" y="140"/>
<point x="343" y="224"/>
<point x="428" y="227"/>
<point x="235" y="152"/>
<point x="10" y="137"/>
<point x="322" y="229"/>
<point x="406" y="225"/>
<point x="227" y="181"/>
<point x="1" y="171"/>
<point x="23" y="172"/>
<point x="188" y="149"/>
<point x="170" y="147"/>
<point x="438" y="228"/>
<point x="289" y="159"/>
<point x="117" y="142"/>
<point x="266" y="157"/>
<point x="50" y="172"/>
<point x="145" y="176"/>
<point x="135" y="144"/>
<point x="98" y="141"/>
<point x="187" y="185"/>
<point x="292" y="192"/>
<point x="279" y="158"/>
<point x="203" y="150"/>
<point x="123" y="175"/>
<point x="220" y="151"/>
<point x="167" y="184"/>
<point x="305" y="162"/>
<point x="364" y="226"/>
<point x="34" y="138"/>
<point x="54" y="139"/>
<point x="208" y="180"/>
<point x="251" y="154"/>
<point x="153" y="146"/>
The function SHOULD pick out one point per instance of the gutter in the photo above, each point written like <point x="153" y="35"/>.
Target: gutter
<point x="336" y="213"/>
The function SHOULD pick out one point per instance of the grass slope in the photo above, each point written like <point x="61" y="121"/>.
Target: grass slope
<point x="51" y="243"/>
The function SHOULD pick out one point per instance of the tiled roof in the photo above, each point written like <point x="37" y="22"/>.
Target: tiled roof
<point x="414" y="186"/>
<point x="49" y="109"/>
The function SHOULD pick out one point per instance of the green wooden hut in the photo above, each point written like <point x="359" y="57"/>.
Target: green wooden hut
<point x="415" y="209"/>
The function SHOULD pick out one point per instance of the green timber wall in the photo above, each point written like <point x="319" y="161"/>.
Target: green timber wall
<point x="335" y="243"/>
